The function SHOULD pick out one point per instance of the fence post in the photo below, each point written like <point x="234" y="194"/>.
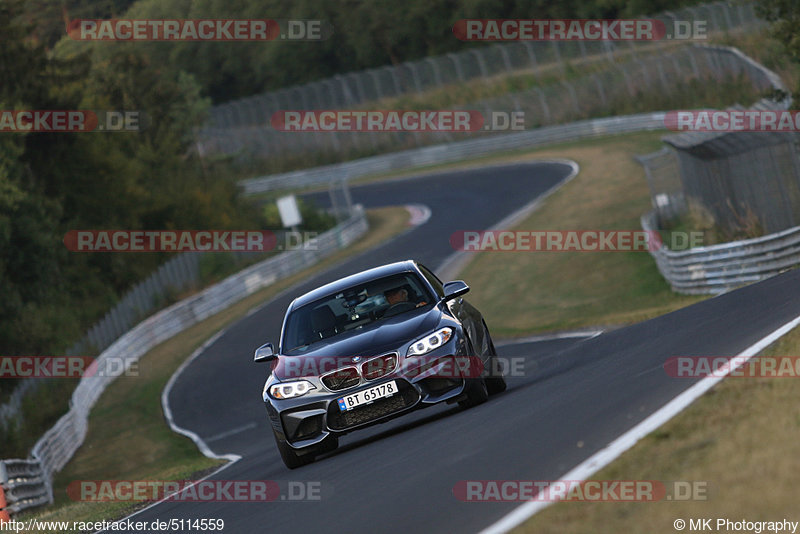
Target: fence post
<point x="557" y="53"/>
<point x="532" y="58"/>
<point x="600" y="90"/>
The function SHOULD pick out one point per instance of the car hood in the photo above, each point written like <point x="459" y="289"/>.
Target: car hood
<point x="376" y="339"/>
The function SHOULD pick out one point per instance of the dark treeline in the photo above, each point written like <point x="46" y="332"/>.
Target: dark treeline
<point x="367" y="33"/>
<point x="54" y="182"/>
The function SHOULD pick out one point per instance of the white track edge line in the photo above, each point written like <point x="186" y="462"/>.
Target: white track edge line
<point x="627" y="440"/>
<point x="452" y="266"/>
<point x="201" y="445"/>
<point x="588" y="334"/>
<point x="199" y="442"/>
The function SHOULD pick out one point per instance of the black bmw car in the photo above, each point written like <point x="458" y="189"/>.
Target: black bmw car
<point x="370" y="347"/>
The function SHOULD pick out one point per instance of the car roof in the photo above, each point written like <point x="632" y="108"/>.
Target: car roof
<point x="353" y="280"/>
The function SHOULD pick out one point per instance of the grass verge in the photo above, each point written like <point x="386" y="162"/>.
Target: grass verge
<point x="544" y="291"/>
<point x="128" y="438"/>
<point x="740" y="438"/>
<point x="682" y="94"/>
<point x="610" y="191"/>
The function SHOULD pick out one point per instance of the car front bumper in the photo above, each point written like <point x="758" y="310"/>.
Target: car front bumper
<point x="308" y="420"/>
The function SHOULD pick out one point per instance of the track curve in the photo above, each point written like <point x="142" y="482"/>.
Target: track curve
<point x="399" y="477"/>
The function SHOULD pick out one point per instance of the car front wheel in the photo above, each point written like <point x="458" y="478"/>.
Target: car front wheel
<point x="495" y="381"/>
<point x="476" y="393"/>
<point x="293" y="460"/>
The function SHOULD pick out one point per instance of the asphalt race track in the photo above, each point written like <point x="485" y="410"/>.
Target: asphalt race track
<point x="399" y="477"/>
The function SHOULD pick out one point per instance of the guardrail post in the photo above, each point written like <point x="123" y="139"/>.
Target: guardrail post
<point x="4" y="515"/>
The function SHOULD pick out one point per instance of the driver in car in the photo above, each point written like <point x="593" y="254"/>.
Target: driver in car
<point x="397" y="295"/>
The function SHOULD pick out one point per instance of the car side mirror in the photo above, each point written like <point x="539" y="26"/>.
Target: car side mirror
<point x="265" y="353"/>
<point x="455" y="289"/>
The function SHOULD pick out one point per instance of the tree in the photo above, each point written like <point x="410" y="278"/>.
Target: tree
<point x="785" y="18"/>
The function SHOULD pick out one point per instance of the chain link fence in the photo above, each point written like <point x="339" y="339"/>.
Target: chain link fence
<point x="743" y="182"/>
<point x="663" y="177"/>
<point x="623" y="70"/>
<point x="720" y="63"/>
<point x="27" y="483"/>
<point x="183" y="272"/>
<point x="242" y="125"/>
<point x="59" y="443"/>
<point x="175" y="276"/>
<point x="748" y="183"/>
<point x="731" y="172"/>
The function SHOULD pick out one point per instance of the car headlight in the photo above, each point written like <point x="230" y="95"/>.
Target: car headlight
<point x="432" y="341"/>
<point x="290" y="390"/>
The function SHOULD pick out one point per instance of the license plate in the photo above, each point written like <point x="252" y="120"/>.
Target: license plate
<point x="367" y="396"/>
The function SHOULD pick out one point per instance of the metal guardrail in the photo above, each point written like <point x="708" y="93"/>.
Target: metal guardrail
<point x="242" y="127"/>
<point x="720" y="59"/>
<point x="27" y="483"/>
<point x="24" y="485"/>
<point x="719" y="268"/>
<point x="451" y="152"/>
<point x="607" y="86"/>
<point x="59" y="443"/>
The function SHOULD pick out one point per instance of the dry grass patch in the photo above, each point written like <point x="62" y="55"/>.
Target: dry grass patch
<point x="740" y="438"/>
<point x="541" y="291"/>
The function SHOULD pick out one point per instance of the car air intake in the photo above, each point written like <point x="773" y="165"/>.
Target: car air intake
<point x="378" y="367"/>
<point x="341" y="379"/>
<point x="387" y="406"/>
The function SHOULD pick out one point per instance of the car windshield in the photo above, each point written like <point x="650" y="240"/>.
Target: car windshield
<point x="354" y="308"/>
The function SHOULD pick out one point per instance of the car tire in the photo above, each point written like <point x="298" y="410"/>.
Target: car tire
<point x="476" y="393"/>
<point x="292" y="460"/>
<point x="495" y="381"/>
